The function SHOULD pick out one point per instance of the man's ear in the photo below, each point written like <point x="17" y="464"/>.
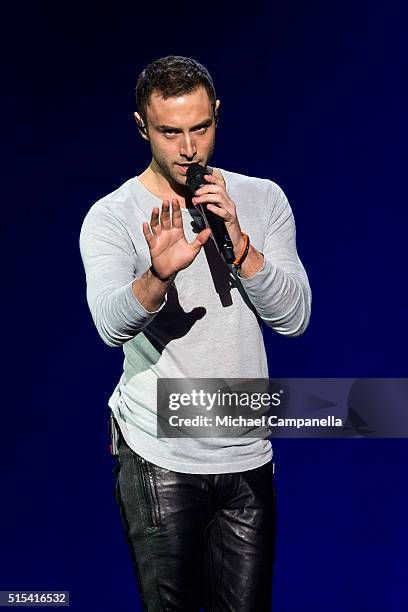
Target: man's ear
<point x="141" y="126"/>
<point x="217" y="111"/>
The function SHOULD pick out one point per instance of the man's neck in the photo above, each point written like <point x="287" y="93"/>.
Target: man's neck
<point x="159" y="186"/>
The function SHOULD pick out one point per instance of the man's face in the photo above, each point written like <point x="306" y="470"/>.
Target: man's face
<point x="181" y="131"/>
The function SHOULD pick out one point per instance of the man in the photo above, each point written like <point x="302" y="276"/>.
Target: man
<point x="162" y="291"/>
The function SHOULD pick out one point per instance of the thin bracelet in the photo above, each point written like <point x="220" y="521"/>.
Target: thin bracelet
<point x="237" y="263"/>
<point x="163" y="280"/>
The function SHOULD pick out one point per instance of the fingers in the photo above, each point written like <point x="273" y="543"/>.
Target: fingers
<point x="162" y="219"/>
<point x="210" y="178"/>
<point x="147" y="233"/>
<point x="209" y="197"/>
<point x="213" y="188"/>
<point x="213" y="192"/>
<point x="216" y="177"/>
<point x="220" y="212"/>
<point x="176" y="216"/>
<point x="154" y="220"/>
<point x="220" y="206"/>
<point x="201" y="239"/>
<point x="165" y="215"/>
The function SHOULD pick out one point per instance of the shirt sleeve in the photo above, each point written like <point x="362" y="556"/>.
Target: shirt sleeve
<point x="108" y="256"/>
<point x="280" y="291"/>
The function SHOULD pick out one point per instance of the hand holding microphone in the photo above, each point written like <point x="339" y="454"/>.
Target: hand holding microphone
<point x="169" y="249"/>
<point x="217" y="208"/>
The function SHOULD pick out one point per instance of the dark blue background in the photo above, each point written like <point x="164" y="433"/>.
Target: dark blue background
<point x="313" y="97"/>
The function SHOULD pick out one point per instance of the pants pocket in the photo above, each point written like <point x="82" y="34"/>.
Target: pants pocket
<point x="149" y="490"/>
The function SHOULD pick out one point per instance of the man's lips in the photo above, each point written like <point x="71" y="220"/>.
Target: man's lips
<point x="184" y="167"/>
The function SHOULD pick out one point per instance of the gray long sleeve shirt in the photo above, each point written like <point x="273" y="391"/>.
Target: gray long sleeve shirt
<point x="209" y="324"/>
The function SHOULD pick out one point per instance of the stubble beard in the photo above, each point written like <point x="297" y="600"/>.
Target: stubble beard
<point x="167" y="169"/>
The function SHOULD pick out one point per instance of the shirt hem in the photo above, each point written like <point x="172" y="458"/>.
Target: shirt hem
<point x="192" y="467"/>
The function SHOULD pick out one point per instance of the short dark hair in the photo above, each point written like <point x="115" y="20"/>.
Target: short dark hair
<point x="173" y="75"/>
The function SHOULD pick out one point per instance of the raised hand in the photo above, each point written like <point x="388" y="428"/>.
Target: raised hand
<point x="169" y="249"/>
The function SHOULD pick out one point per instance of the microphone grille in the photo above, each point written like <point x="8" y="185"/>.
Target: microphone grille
<point x="195" y="177"/>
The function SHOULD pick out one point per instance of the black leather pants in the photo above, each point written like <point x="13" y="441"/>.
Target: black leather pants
<point x="198" y="539"/>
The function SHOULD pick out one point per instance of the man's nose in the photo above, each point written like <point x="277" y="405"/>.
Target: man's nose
<point x="188" y="147"/>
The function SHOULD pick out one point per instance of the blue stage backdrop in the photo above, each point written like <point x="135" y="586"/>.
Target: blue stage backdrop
<point x="313" y="97"/>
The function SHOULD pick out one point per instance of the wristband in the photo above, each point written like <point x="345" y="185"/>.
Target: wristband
<point x="237" y="263"/>
<point x="163" y="280"/>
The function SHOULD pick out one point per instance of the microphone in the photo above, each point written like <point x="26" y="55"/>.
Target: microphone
<point x="195" y="180"/>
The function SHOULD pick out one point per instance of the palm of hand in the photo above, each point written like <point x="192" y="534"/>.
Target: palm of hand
<point x="169" y="249"/>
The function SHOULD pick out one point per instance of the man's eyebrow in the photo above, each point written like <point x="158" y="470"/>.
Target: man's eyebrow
<point x="165" y="128"/>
